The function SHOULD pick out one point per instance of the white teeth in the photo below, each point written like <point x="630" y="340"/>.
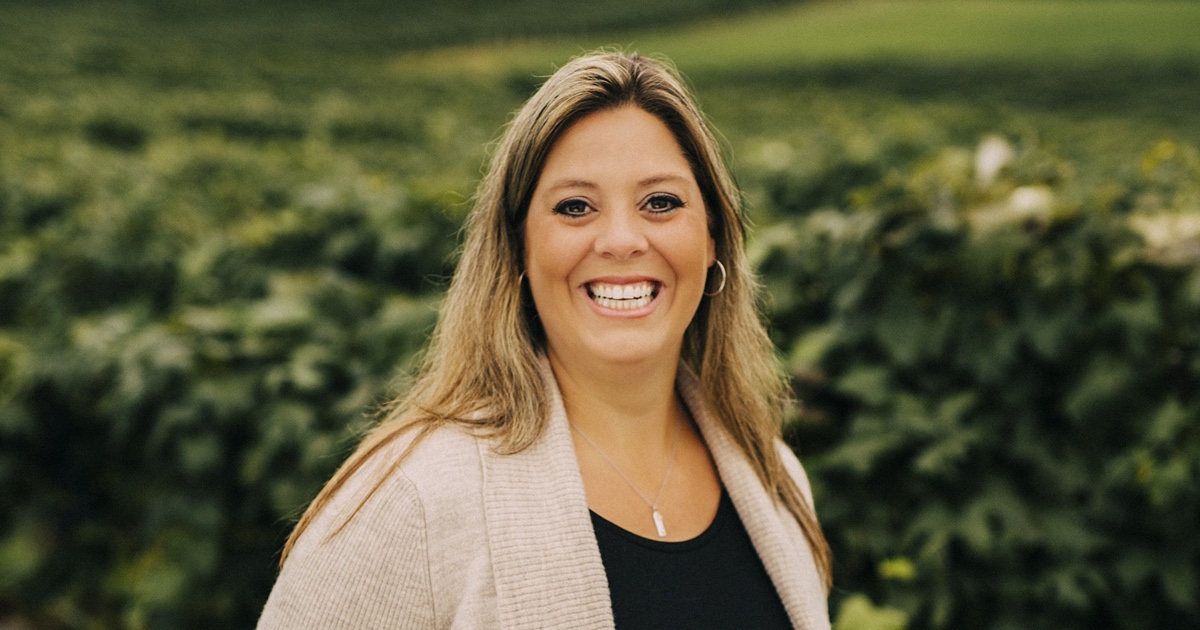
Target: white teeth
<point x="623" y="305"/>
<point x="622" y="296"/>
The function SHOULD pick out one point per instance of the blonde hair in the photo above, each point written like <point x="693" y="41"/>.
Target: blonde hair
<point x="480" y="370"/>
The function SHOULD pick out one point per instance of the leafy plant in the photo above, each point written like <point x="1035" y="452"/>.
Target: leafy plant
<point x="1001" y="418"/>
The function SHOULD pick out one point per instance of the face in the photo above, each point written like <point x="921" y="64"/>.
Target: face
<point x="617" y="246"/>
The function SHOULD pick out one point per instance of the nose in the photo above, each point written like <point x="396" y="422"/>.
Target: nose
<point x="621" y="234"/>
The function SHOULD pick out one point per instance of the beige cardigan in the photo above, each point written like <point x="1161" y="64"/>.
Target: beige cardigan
<point x="462" y="537"/>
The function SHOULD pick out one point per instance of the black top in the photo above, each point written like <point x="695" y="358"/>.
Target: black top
<point x="714" y="580"/>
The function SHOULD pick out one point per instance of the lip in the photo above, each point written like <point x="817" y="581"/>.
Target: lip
<point x="604" y="311"/>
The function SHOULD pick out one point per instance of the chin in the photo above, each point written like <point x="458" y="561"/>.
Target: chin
<point x="630" y="351"/>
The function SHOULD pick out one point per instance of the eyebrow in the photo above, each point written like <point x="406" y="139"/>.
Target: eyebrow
<point x="645" y="183"/>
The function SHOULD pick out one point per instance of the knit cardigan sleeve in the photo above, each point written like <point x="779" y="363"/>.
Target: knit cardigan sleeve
<point x="792" y="465"/>
<point x="374" y="572"/>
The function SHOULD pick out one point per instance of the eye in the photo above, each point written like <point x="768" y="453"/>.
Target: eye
<point x="663" y="202"/>
<point x="572" y="207"/>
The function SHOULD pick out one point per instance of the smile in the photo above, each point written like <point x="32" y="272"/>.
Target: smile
<point x="622" y="296"/>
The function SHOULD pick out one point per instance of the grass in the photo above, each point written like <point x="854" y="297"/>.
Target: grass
<point x="917" y="31"/>
<point x="942" y="32"/>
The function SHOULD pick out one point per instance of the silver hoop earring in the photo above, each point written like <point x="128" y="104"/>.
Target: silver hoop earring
<point x="520" y="278"/>
<point x="724" y="277"/>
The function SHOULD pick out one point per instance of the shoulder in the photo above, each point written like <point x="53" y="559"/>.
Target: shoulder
<point x="794" y="469"/>
<point x="411" y="479"/>
<point x="372" y="553"/>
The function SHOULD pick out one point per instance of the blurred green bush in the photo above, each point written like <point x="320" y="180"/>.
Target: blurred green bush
<point x="182" y="360"/>
<point x="1001" y="412"/>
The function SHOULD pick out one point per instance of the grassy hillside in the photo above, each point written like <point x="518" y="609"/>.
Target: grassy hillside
<point x="913" y="31"/>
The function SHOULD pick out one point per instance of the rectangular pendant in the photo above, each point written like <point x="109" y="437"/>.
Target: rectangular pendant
<point x="658" y="525"/>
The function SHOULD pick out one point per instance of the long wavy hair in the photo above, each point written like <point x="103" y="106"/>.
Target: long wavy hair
<point x="480" y="370"/>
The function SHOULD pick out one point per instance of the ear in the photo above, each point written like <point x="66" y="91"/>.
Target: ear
<point x="712" y="251"/>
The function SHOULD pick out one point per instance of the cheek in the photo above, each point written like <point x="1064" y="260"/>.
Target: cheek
<point x="536" y="242"/>
<point x="693" y="247"/>
<point x="550" y="254"/>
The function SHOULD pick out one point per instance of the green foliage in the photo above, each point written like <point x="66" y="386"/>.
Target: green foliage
<point x="857" y="613"/>
<point x="1002" y="416"/>
<point x="181" y="372"/>
<point x="218" y="249"/>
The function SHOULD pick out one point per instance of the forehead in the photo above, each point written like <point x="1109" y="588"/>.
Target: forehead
<point x="625" y="142"/>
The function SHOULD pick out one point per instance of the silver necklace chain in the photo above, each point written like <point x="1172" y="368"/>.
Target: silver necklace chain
<point x="653" y="505"/>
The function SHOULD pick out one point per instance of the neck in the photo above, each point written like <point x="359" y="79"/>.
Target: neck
<point x="631" y="408"/>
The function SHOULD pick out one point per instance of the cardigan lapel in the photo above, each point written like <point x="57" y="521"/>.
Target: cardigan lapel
<point x="544" y="553"/>
<point x="545" y="557"/>
<point x="773" y="531"/>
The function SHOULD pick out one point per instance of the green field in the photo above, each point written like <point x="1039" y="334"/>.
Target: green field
<point x="225" y="229"/>
<point x="938" y="32"/>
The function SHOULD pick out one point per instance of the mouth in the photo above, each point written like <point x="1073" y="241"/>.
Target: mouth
<point x="623" y="297"/>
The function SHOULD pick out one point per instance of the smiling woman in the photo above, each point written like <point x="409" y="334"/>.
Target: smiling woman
<point x="593" y="440"/>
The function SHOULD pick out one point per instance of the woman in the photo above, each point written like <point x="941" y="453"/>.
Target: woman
<point x="594" y="434"/>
